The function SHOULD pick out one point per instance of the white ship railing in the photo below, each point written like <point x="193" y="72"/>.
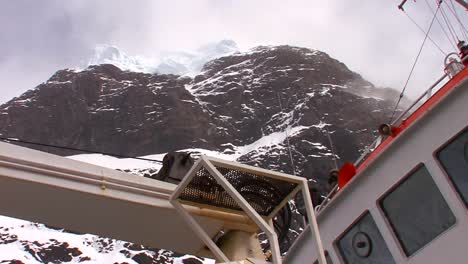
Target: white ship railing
<point x="420" y="100"/>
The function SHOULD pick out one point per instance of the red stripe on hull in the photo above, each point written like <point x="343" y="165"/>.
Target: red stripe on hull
<point x="434" y="99"/>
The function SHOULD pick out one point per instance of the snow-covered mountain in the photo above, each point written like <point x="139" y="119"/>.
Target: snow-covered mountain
<point x="254" y="107"/>
<point x="31" y="243"/>
<point x="179" y="63"/>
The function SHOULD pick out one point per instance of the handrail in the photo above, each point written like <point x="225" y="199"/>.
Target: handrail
<point x="429" y="90"/>
<point x="327" y="198"/>
<point x="379" y="139"/>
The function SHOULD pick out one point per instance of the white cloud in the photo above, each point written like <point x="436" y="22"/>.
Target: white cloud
<point x="372" y="37"/>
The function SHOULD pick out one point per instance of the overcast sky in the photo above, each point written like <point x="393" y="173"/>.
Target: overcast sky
<point x="372" y="37"/>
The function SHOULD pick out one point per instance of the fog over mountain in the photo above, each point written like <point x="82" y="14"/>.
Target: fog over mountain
<point x="187" y="63"/>
<point x="373" y="38"/>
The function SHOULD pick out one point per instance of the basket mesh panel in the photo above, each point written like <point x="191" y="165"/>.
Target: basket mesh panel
<point x="262" y="193"/>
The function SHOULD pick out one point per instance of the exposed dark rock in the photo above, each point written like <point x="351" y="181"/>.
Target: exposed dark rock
<point x="268" y="94"/>
<point x="51" y="252"/>
<point x="6" y="237"/>
<point x="82" y="259"/>
<point x="192" y="261"/>
<point x="234" y="102"/>
<point x="13" y="261"/>
<point x="143" y="258"/>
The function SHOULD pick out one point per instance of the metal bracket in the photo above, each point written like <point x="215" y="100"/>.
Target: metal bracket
<point x="210" y="165"/>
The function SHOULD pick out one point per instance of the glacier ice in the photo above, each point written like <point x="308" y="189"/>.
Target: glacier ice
<point x="188" y="63"/>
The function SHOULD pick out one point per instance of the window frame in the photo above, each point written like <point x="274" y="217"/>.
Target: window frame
<point x="327" y="255"/>
<point x="444" y="171"/>
<point x="335" y="242"/>
<point x="389" y="225"/>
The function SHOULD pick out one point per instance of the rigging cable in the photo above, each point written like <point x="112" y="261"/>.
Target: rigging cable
<point x="454" y="45"/>
<point x="332" y="147"/>
<point x="315" y="112"/>
<point x="453" y="10"/>
<point x="74" y="149"/>
<point x="283" y="222"/>
<point x="287" y="139"/>
<point x="415" y="62"/>
<point x="422" y="30"/>
<point x="449" y="25"/>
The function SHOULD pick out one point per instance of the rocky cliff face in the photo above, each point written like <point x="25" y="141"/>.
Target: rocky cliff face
<point x="244" y="104"/>
<point x="247" y="105"/>
<point x="105" y="109"/>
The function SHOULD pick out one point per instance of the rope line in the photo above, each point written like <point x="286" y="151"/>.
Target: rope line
<point x="453" y="10"/>
<point x="287" y="139"/>
<point x="454" y="46"/>
<point x="449" y="25"/>
<point x="74" y="149"/>
<point x="415" y="62"/>
<point x="422" y="30"/>
<point x="332" y="148"/>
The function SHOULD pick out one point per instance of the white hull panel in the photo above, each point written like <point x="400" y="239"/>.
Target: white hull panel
<point x="415" y="145"/>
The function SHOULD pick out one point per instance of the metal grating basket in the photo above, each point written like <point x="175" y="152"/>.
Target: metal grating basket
<point x="264" y="194"/>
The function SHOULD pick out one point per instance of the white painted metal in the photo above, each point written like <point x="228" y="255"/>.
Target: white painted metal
<point x="413" y="146"/>
<point x="420" y="99"/>
<point x="205" y="162"/>
<point x="85" y="198"/>
<point x="248" y="209"/>
<point x="193" y="224"/>
<point x="285" y="201"/>
<point x="327" y="198"/>
<point x="186" y="180"/>
<point x="313" y="222"/>
<point x="265" y="224"/>
<point x="256" y="170"/>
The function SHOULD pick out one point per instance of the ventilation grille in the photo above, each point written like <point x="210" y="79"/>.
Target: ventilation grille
<point x="264" y="194"/>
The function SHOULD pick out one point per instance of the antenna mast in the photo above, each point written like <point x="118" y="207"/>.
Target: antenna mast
<point x="463" y="3"/>
<point x="400" y="6"/>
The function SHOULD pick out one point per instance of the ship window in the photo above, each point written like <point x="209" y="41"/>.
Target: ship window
<point x="363" y="243"/>
<point x="454" y="159"/>
<point x="327" y="258"/>
<point x="417" y="211"/>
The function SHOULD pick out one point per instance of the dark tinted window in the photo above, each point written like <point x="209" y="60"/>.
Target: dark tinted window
<point x="454" y="159"/>
<point x="417" y="211"/>
<point x="327" y="258"/>
<point x="363" y="243"/>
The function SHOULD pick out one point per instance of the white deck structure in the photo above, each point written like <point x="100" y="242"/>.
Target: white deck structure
<point x="415" y="147"/>
<point x="81" y="197"/>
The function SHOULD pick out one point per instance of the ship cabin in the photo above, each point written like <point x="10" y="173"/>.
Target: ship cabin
<point x="408" y="201"/>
